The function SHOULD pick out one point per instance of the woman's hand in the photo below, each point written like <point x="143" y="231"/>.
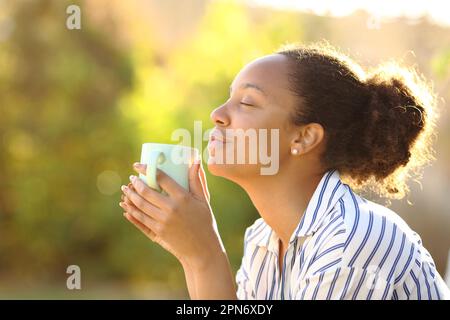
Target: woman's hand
<point x="181" y="221"/>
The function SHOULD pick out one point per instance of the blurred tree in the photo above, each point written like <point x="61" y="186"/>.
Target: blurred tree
<point x="60" y="129"/>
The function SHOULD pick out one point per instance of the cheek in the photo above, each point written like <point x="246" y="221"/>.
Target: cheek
<point x="271" y="127"/>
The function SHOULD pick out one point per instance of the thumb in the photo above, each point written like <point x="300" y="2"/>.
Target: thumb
<point x="203" y="181"/>
<point x="195" y="184"/>
<point x="140" y="168"/>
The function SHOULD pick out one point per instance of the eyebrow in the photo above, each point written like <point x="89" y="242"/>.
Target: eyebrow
<point x="248" y="85"/>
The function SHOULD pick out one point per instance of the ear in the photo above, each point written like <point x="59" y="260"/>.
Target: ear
<point x="307" y="138"/>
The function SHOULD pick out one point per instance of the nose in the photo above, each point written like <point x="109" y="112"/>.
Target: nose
<point x="220" y="116"/>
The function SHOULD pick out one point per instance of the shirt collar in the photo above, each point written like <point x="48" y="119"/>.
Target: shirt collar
<point x="329" y="190"/>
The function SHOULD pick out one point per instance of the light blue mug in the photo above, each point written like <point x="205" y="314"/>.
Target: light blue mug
<point x="174" y="160"/>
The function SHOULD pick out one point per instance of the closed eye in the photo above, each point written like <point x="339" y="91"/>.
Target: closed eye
<point x="246" y="104"/>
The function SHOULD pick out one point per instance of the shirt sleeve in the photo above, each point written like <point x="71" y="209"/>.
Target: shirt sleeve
<point x="423" y="282"/>
<point x="244" y="287"/>
<point x="244" y="290"/>
<point x="344" y="283"/>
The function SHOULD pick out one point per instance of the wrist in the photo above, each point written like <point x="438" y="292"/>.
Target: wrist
<point x="209" y="256"/>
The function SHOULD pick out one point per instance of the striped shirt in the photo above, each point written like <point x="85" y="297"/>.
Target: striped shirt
<point x="353" y="249"/>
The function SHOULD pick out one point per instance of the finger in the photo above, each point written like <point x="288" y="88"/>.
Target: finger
<point x="142" y="204"/>
<point x="127" y="201"/>
<point x="124" y="198"/>
<point x="149" y="233"/>
<point x="203" y="181"/>
<point x="154" y="197"/>
<point x="140" y="168"/>
<point x="195" y="185"/>
<point x="140" y="216"/>
<point x="168" y="184"/>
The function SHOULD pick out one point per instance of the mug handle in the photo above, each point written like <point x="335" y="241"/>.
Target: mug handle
<point x="152" y="165"/>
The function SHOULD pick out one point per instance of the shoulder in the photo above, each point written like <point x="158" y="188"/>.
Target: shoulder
<point x="377" y="238"/>
<point x="369" y="236"/>
<point x="258" y="225"/>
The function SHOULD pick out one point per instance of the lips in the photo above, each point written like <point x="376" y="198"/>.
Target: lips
<point x="216" y="135"/>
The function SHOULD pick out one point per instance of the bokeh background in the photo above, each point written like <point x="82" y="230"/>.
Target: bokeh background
<point x="76" y="105"/>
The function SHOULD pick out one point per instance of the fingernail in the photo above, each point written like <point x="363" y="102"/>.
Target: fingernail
<point x="132" y="178"/>
<point x="136" y="164"/>
<point x="124" y="188"/>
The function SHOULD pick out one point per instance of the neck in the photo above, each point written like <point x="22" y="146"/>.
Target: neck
<point x="281" y="199"/>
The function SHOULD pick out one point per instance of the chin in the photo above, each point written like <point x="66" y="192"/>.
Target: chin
<point x="233" y="172"/>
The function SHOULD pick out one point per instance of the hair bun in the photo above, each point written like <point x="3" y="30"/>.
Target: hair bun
<point x="391" y="98"/>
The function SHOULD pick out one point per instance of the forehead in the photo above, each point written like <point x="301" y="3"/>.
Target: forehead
<point x="270" y="73"/>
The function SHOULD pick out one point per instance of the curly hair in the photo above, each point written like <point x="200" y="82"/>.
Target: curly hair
<point x="379" y="124"/>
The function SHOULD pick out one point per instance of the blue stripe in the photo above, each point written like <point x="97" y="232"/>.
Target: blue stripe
<point x="258" y="278"/>
<point x="431" y="272"/>
<point x="274" y="280"/>
<point x="325" y="229"/>
<point x="405" y="287"/>
<point x="304" y="290"/>
<point x="406" y="264"/>
<point x="245" y="273"/>
<point x="301" y="264"/>
<point x="316" y="290"/>
<point x="418" y="262"/>
<point x="294" y="254"/>
<point x="302" y="222"/>
<point x="328" y="265"/>
<point x="268" y="238"/>
<point x="282" y="275"/>
<point x="383" y="228"/>
<point x="437" y="291"/>
<point x="417" y="284"/>
<point x="394" y="295"/>
<point x="333" y="283"/>
<point x="426" y="283"/>
<point x="361" y="280"/>
<point x="363" y="243"/>
<point x="322" y="191"/>
<point x="400" y="252"/>
<point x="386" y="291"/>
<point x="374" y="284"/>
<point x="253" y="257"/>
<point x="347" y="283"/>
<point x="352" y="233"/>
<point x="255" y="234"/>
<point x="327" y="251"/>
<point x="332" y="194"/>
<point x="394" y="231"/>
<point x="341" y="203"/>
<point x="313" y="259"/>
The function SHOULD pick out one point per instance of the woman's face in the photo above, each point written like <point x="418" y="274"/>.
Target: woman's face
<point x="259" y="99"/>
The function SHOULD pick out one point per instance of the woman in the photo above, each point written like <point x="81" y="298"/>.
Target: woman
<point x="316" y="238"/>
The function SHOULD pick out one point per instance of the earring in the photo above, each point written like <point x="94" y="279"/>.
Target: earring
<point x="294" y="151"/>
